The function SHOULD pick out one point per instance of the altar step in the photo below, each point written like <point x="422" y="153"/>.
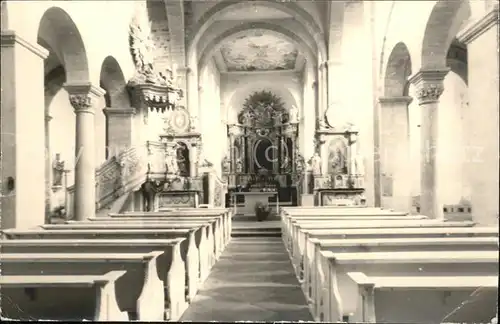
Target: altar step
<point x="248" y="231"/>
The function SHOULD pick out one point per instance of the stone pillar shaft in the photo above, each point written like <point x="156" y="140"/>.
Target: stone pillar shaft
<point x="430" y="87"/>
<point x="82" y="97"/>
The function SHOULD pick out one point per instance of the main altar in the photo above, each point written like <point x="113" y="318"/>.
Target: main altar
<point x="263" y="156"/>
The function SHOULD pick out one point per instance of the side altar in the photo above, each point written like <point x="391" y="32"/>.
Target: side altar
<point x="337" y="167"/>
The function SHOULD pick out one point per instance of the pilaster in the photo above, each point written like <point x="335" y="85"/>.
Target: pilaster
<point x="482" y="131"/>
<point x="394" y="153"/>
<point x="23" y="132"/>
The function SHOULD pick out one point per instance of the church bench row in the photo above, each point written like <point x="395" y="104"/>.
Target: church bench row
<point x="199" y="258"/>
<point x="298" y="233"/>
<point x="375" y="232"/>
<point x="62" y="297"/>
<point x="315" y="246"/>
<point x="139" y="292"/>
<point x="186" y="212"/>
<point x="135" y="230"/>
<point x="424" y="299"/>
<point x="289" y="221"/>
<point x="168" y="263"/>
<point x="191" y="213"/>
<point x="331" y="283"/>
<point x="212" y="228"/>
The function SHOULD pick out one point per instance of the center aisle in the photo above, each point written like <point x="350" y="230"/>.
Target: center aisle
<point x="253" y="281"/>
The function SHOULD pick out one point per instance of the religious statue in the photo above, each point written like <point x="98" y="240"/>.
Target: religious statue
<point x="338" y="162"/>
<point x="171" y="161"/>
<point x="239" y="166"/>
<point x="286" y="163"/>
<point x="57" y="170"/>
<point x="294" y="114"/>
<point x="316" y="164"/>
<point x="359" y="165"/>
<point x="226" y="165"/>
<point x="192" y="123"/>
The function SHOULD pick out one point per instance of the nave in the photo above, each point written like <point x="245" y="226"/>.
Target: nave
<point x="337" y="264"/>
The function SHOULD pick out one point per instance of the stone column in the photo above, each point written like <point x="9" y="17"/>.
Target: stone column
<point x="83" y="98"/>
<point x="120" y="129"/>
<point x="429" y="84"/>
<point x="22" y="168"/>
<point x="320" y="93"/>
<point x="482" y="164"/>
<point x="48" y="170"/>
<point x="394" y="155"/>
<point x="324" y="89"/>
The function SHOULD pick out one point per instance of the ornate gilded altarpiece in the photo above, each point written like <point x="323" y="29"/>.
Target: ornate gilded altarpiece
<point x="339" y="174"/>
<point x="263" y="146"/>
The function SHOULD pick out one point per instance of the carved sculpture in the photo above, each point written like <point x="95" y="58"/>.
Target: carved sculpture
<point x="226" y="165"/>
<point x="57" y="170"/>
<point x="171" y="160"/>
<point x="359" y="165"/>
<point x="316" y="164"/>
<point x="294" y="114"/>
<point x="239" y="166"/>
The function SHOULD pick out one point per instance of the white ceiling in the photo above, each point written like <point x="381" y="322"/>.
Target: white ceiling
<point x="255" y="12"/>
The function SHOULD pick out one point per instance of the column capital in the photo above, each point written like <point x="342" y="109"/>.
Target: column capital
<point x="83" y="96"/>
<point x="9" y="38"/>
<point x="429" y="84"/>
<point x="479" y="25"/>
<point x="114" y="111"/>
<point x="406" y="100"/>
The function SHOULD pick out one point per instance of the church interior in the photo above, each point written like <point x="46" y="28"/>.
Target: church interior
<point x="184" y="146"/>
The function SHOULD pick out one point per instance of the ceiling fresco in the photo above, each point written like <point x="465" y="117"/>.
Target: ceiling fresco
<point x="259" y="50"/>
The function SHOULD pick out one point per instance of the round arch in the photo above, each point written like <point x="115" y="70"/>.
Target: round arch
<point x="237" y="97"/>
<point x="57" y="29"/>
<point x="397" y="72"/>
<point x="113" y="81"/>
<point x="240" y="29"/>
<point x="445" y="21"/>
<point x="216" y="11"/>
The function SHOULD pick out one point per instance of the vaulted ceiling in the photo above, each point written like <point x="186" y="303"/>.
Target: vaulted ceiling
<point x="258" y="50"/>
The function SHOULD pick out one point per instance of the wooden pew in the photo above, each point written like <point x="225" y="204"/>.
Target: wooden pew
<point x="62" y="297"/>
<point x="188" y="212"/>
<point x="288" y="216"/>
<point x="288" y="221"/>
<point x="139" y="291"/>
<point x="315" y="246"/>
<point x="218" y="231"/>
<point x="335" y="266"/>
<point x="206" y="228"/>
<point x="299" y="234"/>
<point x="424" y="299"/>
<point x="171" y="267"/>
<point x="196" y="260"/>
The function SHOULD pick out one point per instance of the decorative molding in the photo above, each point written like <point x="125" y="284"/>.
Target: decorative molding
<point x="83" y="96"/>
<point x="395" y="100"/>
<point x="479" y="26"/>
<point x="125" y="112"/>
<point x="429" y="84"/>
<point x="10" y="38"/>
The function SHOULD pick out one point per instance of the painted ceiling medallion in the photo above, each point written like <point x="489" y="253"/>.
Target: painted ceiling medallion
<point x="259" y="50"/>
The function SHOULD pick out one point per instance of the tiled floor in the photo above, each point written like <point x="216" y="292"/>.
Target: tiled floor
<point x="252" y="281"/>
